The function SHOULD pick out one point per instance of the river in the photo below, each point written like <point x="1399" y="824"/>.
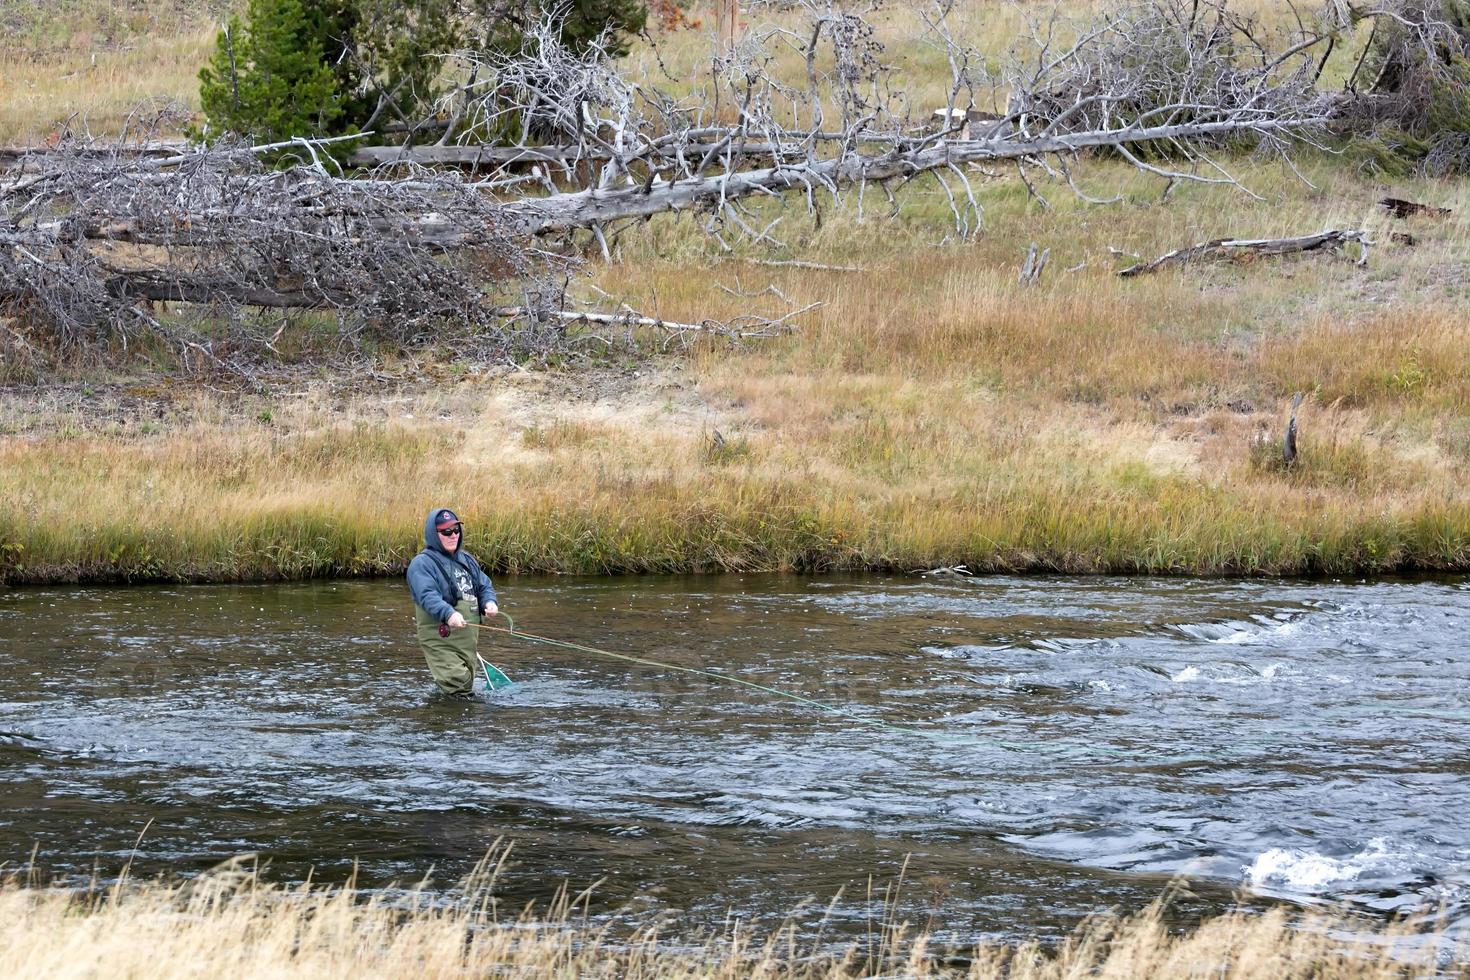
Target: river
<point x="1084" y="741"/>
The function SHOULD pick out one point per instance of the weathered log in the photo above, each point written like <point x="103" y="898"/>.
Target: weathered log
<point x="175" y="152"/>
<point x="746" y="326"/>
<point x="148" y="285"/>
<point x="478" y="156"/>
<point x="1400" y="208"/>
<point x="582" y="209"/>
<point x="804" y="264"/>
<point x="469" y="156"/>
<point x="11" y="156"/>
<point x="608" y="319"/>
<point x="1220" y="248"/>
<point x="154" y="285"/>
<point x="434" y="232"/>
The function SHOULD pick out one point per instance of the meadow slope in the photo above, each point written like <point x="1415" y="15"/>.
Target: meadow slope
<point x="931" y="411"/>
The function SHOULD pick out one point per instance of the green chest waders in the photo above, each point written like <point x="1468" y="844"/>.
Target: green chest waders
<point x="451" y="658"/>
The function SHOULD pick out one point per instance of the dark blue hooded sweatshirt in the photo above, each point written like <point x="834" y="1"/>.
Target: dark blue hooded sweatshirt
<point x="438" y="579"/>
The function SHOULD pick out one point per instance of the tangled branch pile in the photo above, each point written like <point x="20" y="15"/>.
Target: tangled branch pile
<point x="1171" y="63"/>
<point x="1415" y="74"/>
<point x="221" y="229"/>
<point x="91" y="244"/>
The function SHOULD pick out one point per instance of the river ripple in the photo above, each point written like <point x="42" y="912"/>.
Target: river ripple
<point x="1093" y="738"/>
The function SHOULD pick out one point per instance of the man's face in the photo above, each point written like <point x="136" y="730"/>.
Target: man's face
<point x="449" y="537"/>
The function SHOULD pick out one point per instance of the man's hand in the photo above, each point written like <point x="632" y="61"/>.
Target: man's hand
<point x="490" y="610"/>
<point x="456" y="621"/>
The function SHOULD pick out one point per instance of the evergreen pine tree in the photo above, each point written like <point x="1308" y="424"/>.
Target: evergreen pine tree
<point x="269" y="79"/>
<point x="320" y="67"/>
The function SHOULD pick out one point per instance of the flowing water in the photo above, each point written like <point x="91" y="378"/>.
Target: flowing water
<point x="1085" y="742"/>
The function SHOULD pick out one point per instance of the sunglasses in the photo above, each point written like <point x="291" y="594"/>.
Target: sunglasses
<point x="452" y="532"/>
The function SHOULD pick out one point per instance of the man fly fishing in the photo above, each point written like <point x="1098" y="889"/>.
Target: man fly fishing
<point x="450" y="594"/>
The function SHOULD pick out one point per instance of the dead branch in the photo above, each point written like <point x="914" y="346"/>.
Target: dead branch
<point x="744" y="327"/>
<point x="803" y="264"/>
<point x="1222" y="248"/>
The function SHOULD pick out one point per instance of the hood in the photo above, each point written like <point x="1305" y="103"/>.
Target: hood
<point x="431" y="537"/>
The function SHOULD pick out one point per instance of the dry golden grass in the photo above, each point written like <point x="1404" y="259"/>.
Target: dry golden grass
<point x="234" y="924"/>
<point x="92" y="67"/>
<point x="931" y="411"/>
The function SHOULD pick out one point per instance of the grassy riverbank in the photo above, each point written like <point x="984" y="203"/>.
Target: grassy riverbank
<point x="931" y="411"/>
<point x="238" y="926"/>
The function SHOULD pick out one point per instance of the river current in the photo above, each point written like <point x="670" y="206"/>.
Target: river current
<point x="1086" y="742"/>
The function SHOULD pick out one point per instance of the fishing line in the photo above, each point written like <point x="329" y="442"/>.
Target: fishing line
<point x="1239" y="745"/>
<point x="789" y="695"/>
<point x="628" y="658"/>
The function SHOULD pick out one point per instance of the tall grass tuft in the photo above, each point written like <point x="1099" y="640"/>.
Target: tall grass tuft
<point x="232" y="922"/>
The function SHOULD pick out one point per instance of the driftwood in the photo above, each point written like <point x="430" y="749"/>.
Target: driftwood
<point x="1400" y="208"/>
<point x="1221" y="248"/>
<point x="948" y="571"/>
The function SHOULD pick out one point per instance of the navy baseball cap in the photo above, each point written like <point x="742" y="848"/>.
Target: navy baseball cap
<point x="445" y="519"/>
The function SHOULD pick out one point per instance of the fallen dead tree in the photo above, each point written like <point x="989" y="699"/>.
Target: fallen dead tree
<point x="1231" y="248"/>
<point x="30" y="158"/>
<point x="562" y="158"/>
<point x="744" y="327"/>
<point x="91" y="243"/>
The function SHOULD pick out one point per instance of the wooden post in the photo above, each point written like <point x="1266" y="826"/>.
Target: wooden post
<point x="728" y="24"/>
